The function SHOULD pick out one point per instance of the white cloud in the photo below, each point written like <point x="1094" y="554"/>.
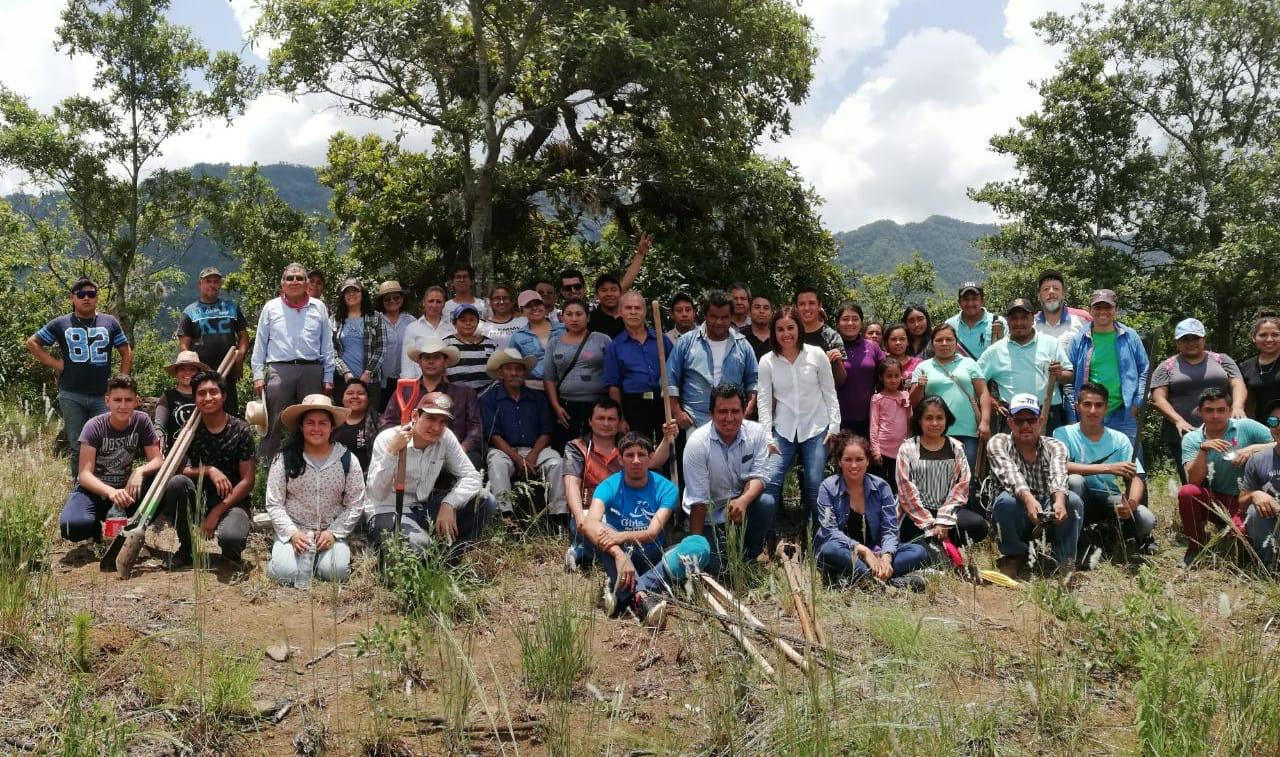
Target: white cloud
<point x="846" y="29"/>
<point x="909" y="140"/>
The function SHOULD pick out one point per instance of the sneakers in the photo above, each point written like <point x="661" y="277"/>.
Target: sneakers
<point x="651" y="610"/>
<point x="910" y="582"/>
<point x="178" y="561"/>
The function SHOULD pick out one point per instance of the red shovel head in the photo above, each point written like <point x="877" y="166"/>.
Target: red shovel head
<point x="408" y="391"/>
<point x="953" y="553"/>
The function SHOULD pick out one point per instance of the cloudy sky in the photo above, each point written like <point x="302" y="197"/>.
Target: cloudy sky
<point x="905" y="96"/>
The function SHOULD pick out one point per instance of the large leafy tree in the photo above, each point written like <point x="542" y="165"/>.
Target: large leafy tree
<point x="1150" y="164"/>
<point x="96" y="152"/>
<point x="622" y="111"/>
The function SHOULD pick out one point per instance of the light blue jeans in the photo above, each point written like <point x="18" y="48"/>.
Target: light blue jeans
<point x="333" y="564"/>
<point x="76" y="410"/>
<point x="1262" y="532"/>
<point x="813" y="458"/>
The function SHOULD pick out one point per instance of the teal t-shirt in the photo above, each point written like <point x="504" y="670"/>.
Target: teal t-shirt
<point x="1104" y="367"/>
<point x="1224" y="477"/>
<point x="1112" y="447"/>
<point x="955" y="386"/>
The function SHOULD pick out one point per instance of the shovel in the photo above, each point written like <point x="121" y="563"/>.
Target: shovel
<point x="124" y="549"/>
<point x="408" y="393"/>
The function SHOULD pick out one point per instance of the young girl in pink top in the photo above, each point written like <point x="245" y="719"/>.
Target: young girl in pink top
<point x="890" y="418"/>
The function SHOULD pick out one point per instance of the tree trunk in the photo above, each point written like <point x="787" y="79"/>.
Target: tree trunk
<point x="481" y="225"/>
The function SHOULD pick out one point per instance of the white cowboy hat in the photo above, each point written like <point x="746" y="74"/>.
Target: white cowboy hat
<point x="186" y="357"/>
<point x="293" y="413"/>
<point x="504" y="356"/>
<point x="255" y="412"/>
<point x="430" y="346"/>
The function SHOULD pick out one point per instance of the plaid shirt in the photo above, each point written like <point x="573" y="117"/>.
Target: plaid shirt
<point x="1045" y="476"/>
<point x="375" y="343"/>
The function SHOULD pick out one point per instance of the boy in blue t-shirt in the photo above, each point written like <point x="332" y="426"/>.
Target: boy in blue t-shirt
<point x="628" y="512"/>
<point x="1103" y="471"/>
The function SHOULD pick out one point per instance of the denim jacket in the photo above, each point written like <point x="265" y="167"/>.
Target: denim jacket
<point x="1132" y="356"/>
<point x="689" y="370"/>
<point x="881" y="515"/>
<point x="527" y="343"/>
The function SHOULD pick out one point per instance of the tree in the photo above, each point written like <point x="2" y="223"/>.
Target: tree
<point x="588" y="105"/>
<point x="31" y="297"/>
<point x="249" y="221"/>
<point x="886" y="295"/>
<point x="1147" y="163"/>
<point x="95" y="151"/>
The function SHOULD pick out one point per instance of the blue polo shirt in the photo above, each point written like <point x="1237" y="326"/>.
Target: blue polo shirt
<point x="977" y="338"/>
<point x="632" y="366"/>
<point x="518" y="422"/>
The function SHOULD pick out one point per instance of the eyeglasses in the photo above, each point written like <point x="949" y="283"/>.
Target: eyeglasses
<point x="86" y="294"/>
<point x="295" y="278"/>
<point x="1273" y="421"/>
<point x="1023" y="421"/>
<point x="573" y="287"/>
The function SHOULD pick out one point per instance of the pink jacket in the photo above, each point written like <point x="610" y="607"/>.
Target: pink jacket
<point x="890" y="422"/>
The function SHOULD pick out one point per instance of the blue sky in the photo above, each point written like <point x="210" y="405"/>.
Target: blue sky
<point x="906" y="94"/>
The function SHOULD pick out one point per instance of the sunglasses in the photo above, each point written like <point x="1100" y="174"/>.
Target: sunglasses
<point x="86" y="294"/>
<point x="1273" y="421"/>
<point x="1023" y="421"/>
<point x="295" y="278"/>
<point x="573" y="287"/>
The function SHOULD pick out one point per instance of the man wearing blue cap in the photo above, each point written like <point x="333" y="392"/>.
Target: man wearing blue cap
<point x="1032" y="471"/>
<point x="1177" y="382"/>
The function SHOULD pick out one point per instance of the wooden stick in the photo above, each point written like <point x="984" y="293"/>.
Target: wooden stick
<point x="724" y="594"/>
<point x="1049" y="385"/>
<point x="666" y="387"/>
<point x="797" y="597"/>
<point x="741" y="638"/>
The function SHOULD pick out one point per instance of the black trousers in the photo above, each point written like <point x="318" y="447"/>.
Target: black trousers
<point x="644" y="416"/>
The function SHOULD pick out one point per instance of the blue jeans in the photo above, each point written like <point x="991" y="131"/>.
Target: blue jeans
<point x="418" y="523"/>
<point x="1262" y="532"/>
<point x="583" y="551"/>
<point x="1015" y="528"/>
<point x="835" y="559"/>
<point x="76" y="410"/>
<point x="813" y="458"/>
<point x="647" y="560"/>
<point x="1098" y="509"/>
<point x="758" y="521"/>
<point x="333" y="564"/>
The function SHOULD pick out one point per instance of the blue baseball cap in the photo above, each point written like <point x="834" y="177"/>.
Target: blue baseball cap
<point x="462" y="310"/>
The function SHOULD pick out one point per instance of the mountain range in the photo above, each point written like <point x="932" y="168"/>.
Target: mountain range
<point x="876" y="247"/>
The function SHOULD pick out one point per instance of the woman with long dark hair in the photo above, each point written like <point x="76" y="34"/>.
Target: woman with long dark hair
<point x="858" y="522"/>
<point x="919" y="330"/>
<point x="896" y="344"/>
<point x="933" y="480"/>
<point x="315" y="495"/>
<point x="1259" y="372"/>
<point x="359" y="340"/>
<point x="861" y="357"/>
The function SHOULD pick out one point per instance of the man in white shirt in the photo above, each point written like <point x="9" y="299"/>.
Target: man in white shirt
<point x="431" y="325"/>
<point x="457" y="516"/>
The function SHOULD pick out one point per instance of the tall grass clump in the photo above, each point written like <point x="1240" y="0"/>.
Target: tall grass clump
<point x="88" y="726"/>
<point x="423" y="583"/>
<point x="25" y="514"/>
<point x="555" y="651"/>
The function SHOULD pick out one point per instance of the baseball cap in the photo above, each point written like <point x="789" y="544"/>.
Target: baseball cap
<point x="1022" y="402"/>
<point x="437" y="403"/>
<point x="208" y="271"/>
<point x="352" y="283"/>
<point x="1019" y="303"/>
<point x="1103" y="295"/>
<point x="970" y="287"/>
<point x="1188" y="327"/>
<point x="528" y="296"/>
<point x="462" y="309"/>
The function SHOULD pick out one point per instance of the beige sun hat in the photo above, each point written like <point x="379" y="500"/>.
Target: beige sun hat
<point x="255" y="413"/>
<point x="504" y="356"/>
<point x="186" y="357"/>
<point x="388" y="287"/>
<point x="430" y="346"/>
<point x="293" y="413"/>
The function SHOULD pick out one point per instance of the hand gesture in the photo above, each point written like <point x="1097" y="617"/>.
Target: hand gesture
<point x="301" y="541"/>
<point x="646" y="241"/>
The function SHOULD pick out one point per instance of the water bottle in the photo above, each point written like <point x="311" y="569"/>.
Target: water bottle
<point x="306" y="564"/>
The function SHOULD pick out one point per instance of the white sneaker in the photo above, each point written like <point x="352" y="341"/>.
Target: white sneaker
<point x="570" y="560"/>
<point x="608" y="600"/>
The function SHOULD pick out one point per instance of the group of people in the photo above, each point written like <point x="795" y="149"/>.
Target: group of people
<point x="478" y="394"/>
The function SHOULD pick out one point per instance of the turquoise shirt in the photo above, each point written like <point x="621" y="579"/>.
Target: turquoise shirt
<point x="1023" y="368"/>
<point x="955" y="386"/>
<point x="977" y="338"/>
<point x="1225" y="476"/>
<point x="1113" y="447"/>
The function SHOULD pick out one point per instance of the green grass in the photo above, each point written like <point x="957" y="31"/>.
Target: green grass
<point x="554" y="651"/>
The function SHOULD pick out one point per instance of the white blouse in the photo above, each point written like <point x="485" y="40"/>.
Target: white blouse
<point x="798" y="400"/>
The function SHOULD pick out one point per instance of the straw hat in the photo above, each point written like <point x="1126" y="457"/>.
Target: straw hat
<point x="430" y="346"/>
<point x="255" y="412"/>
<point x="386" y="288"/>
<point x="186" y="357"/>
<point x="504" y="356"/>
<point x="293" y="413"/>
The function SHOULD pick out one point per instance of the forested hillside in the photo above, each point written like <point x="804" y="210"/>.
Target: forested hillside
<point x="945" y="242"/>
